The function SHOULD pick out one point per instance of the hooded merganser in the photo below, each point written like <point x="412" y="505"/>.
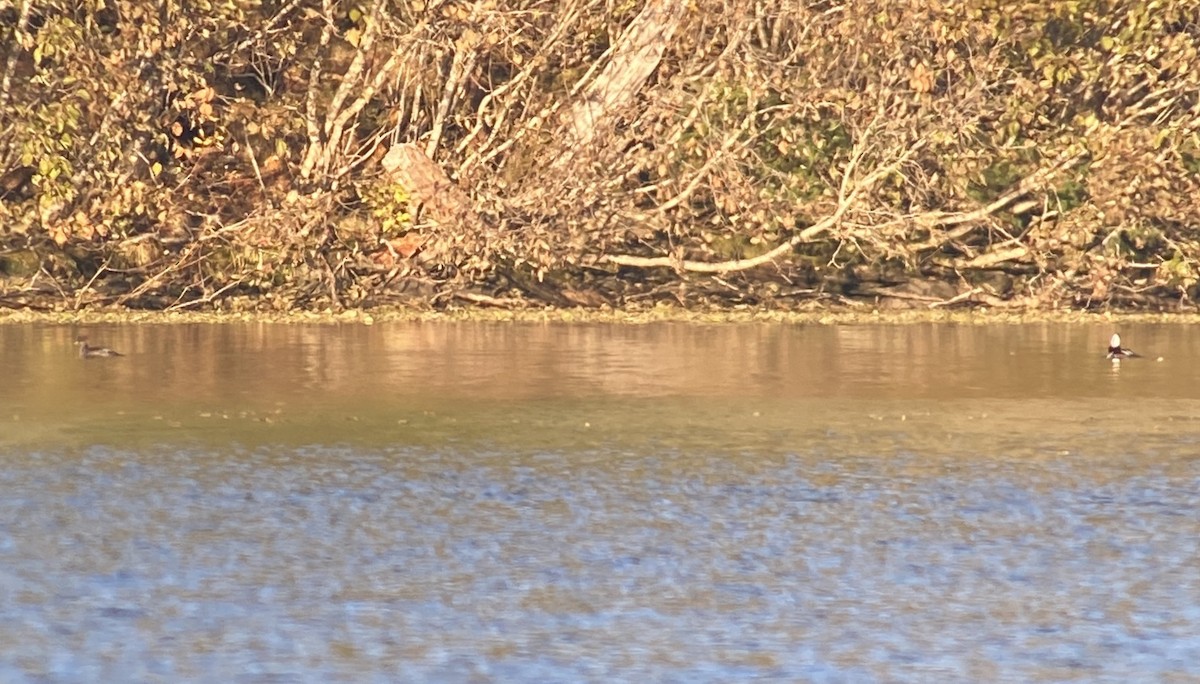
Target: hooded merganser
<point x="87" y="351"/>
<point x="1116" y="352"/>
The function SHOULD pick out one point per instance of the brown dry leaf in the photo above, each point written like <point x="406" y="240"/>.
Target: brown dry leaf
<point x="403" y="247"/>
<point x="469" y="40"/>
<point x="83" y="227"/>
<point x="921" y="79"/>
<point x="407" y="245"/>
<point x="384" y="257"/>
<point x="272" y="165"/>
<point x="203" y="95"/>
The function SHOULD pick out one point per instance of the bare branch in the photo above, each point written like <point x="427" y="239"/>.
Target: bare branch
<point x="851" y="191"/>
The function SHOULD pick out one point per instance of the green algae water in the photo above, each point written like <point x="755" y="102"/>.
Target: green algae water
<point x="591" y="502"/>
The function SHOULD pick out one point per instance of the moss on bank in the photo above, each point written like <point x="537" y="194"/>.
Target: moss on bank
<point x="658" y="314"/>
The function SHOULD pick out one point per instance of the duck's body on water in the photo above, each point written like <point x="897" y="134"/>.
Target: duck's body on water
<point x="87" y="351"/>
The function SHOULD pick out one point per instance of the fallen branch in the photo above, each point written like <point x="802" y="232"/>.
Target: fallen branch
<point x="968" y="219"/>
<point x="99" y="272"/>
<point x="962" y="296"/>
<point x="994" y="258"/>
<point x="205" y="299"/>
<point x="848" y="194"/>
<point x="488" y="300"/>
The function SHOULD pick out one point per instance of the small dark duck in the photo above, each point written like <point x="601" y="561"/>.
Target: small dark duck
<point x="87" y="351"/>
<point x="1116" y="352"/>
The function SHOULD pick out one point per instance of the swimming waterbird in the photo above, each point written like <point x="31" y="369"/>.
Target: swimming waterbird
<point x="1116" y="352"/>
<point x="87" y="351"/>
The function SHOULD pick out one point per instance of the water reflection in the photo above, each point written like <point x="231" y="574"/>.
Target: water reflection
<point x="271" y="374"/>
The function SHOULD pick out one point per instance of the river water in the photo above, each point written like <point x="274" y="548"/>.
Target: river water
<point x="454" y="502"/>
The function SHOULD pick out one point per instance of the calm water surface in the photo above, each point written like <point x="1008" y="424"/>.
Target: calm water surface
<point x="563" y="503"/>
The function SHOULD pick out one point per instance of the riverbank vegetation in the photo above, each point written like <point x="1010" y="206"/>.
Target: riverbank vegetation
<point x="325" y="155"/>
